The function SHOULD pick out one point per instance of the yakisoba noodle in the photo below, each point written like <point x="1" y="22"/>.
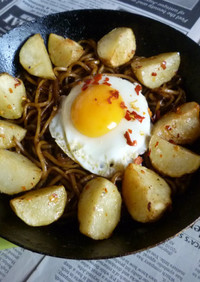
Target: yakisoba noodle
<point x="43" y="97"/>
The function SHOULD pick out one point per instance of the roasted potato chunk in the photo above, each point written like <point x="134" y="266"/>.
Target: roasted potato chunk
<point x="172" y="160"/>
<point x="12" y="94"/>
<point x="154" y="71"/>
<point x="63" y="51"/>
<point x="34" y="57"/>
<point x="9" y="132"/>
<point x="117" y="47"/>
<point x="181" y="126"/>
<point x="17" y="173"/>
<point x="40" y="207"/>
<point x="146" y="195"/>
<point x="99" y="208"/>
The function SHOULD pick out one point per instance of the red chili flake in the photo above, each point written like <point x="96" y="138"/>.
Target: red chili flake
<point x="86" y="84"/>
<point x="138" y="88"/>
<point x="138" y="117"/>
<point x="106" y="81"/>
<point x="122" y="105"/>
<point x="128" y="139"/>
<point x="10" y="90"/>
<point x="138" y="160"/>
<point x="153" y="73"/>
<point x="163" y="65"/>
<point x="156" y="144"/>
<point x="168" y="127"/>
<point x="105" y="189"/>
<point x="130" y="130"/>
<point x="160" y="155"/>
<point x="114" y="95"/>
<point x="18" y="82"/>
<point x="133" y="115"/>
<point x="127" y="115"/>
<point x="172" y="141"/>
<point x="109" y="100"/>
<point x="96" y="78"/>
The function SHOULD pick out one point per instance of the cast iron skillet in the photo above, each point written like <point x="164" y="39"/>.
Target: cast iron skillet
<point x="62" y="239"/>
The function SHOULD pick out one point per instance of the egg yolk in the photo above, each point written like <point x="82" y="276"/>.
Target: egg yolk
<point x="97" y="110"/>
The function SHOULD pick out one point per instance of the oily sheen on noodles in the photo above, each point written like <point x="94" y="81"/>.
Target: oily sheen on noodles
<point x="103" y="124"/>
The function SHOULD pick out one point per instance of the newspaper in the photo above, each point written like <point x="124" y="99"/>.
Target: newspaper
<point x="180" y="14"/>
<point x="177" y="259"/>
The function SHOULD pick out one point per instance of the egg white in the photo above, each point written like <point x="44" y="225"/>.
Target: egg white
<point x="109" y="153"/>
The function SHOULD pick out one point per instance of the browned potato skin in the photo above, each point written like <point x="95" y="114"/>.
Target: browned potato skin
<point x="12" y="95"/>
<point x="9" y="132"/>
<point x="34" y="58"/>
<point x="117" y="47"/>
<point x="63" y="51"/>
<point x="171" y="159"/>
<point x="99" y="208"/>
<point x="146" y="195"/>
<point x="156" y="70"/>
<point x="17" y="173"/>
<point x="40" y="207"/>
<point x="181" y="126"/>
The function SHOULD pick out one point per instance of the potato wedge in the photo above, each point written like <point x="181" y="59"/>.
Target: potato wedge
<point x="181" y="126"/>
<point x="154" y="71"/>
<point x="34" y="57"/>
<point x="63" y="51"/>
<point x="172" y="160"/>
<point x="146" y="195"/>
<point x="117" y="47"/>
<point x="12" y="94"/>
<point x="17" y="173"/>
<point x="9" y="132"/>
<point x="40" y="207"/>
<point x="99" y="208"/>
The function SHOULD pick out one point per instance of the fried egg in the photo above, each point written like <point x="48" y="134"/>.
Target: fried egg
<point x="103" y="124"/>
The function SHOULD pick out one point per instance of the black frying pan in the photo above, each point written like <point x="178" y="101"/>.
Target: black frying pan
<point x="62" y="239"/>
